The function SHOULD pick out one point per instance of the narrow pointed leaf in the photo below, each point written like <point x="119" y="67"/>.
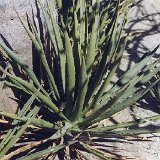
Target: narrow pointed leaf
<point x="61" y="52"/>
<point x="43" y="59"/>
<point x="22" y="64"/>
<point x="90" y="57"/>
<point x="22" y="129"/>
<point x="94" y="151"/>
<point x="83" y="85"/>
<point x="50" y="150"/>
<point x="41" y="96"/>
<point x="70" y="72"/>
<point x="128" y="102"/>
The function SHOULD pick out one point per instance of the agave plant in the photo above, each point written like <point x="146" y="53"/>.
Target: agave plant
<point x="80" y="52"/>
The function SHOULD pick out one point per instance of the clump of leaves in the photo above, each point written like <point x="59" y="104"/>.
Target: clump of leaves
<point x="80" y="54"/>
